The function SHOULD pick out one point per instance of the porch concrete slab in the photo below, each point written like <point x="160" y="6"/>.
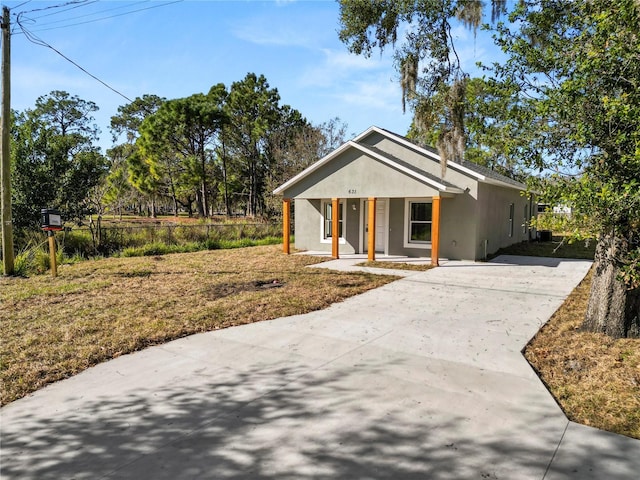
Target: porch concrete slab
<point x="421" y="378"/>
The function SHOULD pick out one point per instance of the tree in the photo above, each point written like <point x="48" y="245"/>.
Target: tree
<point x="254" y="113"/>
<point x="333" y="133"/>
<point x="178" y="141"/>
<point x="127" y="123"/>
<point x="55" y="163"/>
<point x="118" y="189"/>
<point x="576" y="66"/>
<point x="129" y="118"/>
<point x="433" y="82"/>
<point x="491" y="133"/>
<point x="296" y="147"/>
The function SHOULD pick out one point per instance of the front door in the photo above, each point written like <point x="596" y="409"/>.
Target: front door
<point x="381" y="224"/>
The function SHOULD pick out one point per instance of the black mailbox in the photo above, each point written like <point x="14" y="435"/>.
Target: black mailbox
<point x="51" y="219"/>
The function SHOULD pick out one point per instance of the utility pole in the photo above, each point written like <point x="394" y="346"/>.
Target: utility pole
<point x="5" y="127"/>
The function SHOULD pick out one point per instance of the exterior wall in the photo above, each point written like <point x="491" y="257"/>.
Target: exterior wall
<point x="308" y="227"/>
<point x="355" y="175"/>
<point x="458" y="224"/>
<point x="457" y="229"/>
<point x="352" y="225"/>
<point x="465" y="224"/>
<point x="493" y="218"/>
<point x="409" y="155"/>
<point x="397" y="232"/>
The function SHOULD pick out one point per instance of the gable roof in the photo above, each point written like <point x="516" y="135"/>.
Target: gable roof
<point x="481" y="174"/>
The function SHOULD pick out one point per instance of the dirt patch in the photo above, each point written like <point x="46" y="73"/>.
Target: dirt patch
<point x="222" y="290"/>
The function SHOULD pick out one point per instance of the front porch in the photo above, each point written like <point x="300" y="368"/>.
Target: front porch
<point x="418" y="239"/>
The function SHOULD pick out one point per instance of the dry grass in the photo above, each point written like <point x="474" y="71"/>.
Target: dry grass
<point x="559" y="247"/>
<point x="396" y="265"/>
<point x="52" y="328"/>
<point x="595" y="379"/>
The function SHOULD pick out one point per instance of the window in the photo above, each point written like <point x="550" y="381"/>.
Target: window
<point x="511" y="213"/>
<point x="525" y="223"/>
<point x="327" y="213"/>
<point x="419" y="230"/>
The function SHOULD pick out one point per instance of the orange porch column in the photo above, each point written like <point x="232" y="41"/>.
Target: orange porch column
<point x="335" y="227"/>
<point x="286" y="225"/>
<point x="435" y="231"/>
<point x="371" y="237"/>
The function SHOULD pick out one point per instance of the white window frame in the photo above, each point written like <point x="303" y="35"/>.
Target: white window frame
<point x="407" y="223"/>
<point x="323" y="234"/>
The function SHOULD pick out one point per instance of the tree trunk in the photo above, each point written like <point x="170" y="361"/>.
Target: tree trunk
<point x="227" y="203"/>
<point x="613" y="308"/>
<point x="199" y="203"/>
<point x="205" y="200"/>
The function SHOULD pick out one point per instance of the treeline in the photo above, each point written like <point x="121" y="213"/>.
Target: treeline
<point x="222" y="152"/>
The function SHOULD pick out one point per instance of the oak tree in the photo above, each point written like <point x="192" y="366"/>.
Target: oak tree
<point x="576" y="66"/>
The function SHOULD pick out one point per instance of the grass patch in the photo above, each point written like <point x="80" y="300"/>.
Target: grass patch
<point x="594" y="378"/>
<point x="53" y="328"/>
<point x="396" y="265"/>
<point x="161" y="248"/>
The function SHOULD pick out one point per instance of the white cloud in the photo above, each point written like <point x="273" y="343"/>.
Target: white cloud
<point x="261" y="35"/>
<point x="336" y="66"/>
<point x="279" y="29"/>
<point x="379" y="93"/>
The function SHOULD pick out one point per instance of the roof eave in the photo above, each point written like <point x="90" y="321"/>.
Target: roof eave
<point x="493" y="181"/>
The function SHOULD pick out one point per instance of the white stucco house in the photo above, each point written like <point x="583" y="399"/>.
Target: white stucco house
<point x="381" y="193"/>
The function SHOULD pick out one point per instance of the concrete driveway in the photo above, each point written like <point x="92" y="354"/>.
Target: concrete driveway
<point x="422" y="378"/>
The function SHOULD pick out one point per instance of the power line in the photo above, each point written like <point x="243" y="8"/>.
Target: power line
<point x="34" y="39"/>
<point x="72" y="4"/>
<point x="93" y="13"/>
<point x="22" y="4"/>
<point x="76" y="3"/>
<point x="106" y="18"/>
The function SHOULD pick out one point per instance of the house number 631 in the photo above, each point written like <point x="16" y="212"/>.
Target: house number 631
<point x="352" y="191"/>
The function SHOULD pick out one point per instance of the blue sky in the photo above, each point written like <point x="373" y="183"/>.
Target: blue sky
<point x="177" y="49"/>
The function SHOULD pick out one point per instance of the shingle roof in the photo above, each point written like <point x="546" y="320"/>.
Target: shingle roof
<point x="479" y="169"/>
<point x="487" y="172"/>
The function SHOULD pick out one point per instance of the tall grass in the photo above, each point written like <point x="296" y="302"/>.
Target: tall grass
<point x="135" y="240"/>
<point x="160" y="248"/>
<point x="34" y="259"/>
